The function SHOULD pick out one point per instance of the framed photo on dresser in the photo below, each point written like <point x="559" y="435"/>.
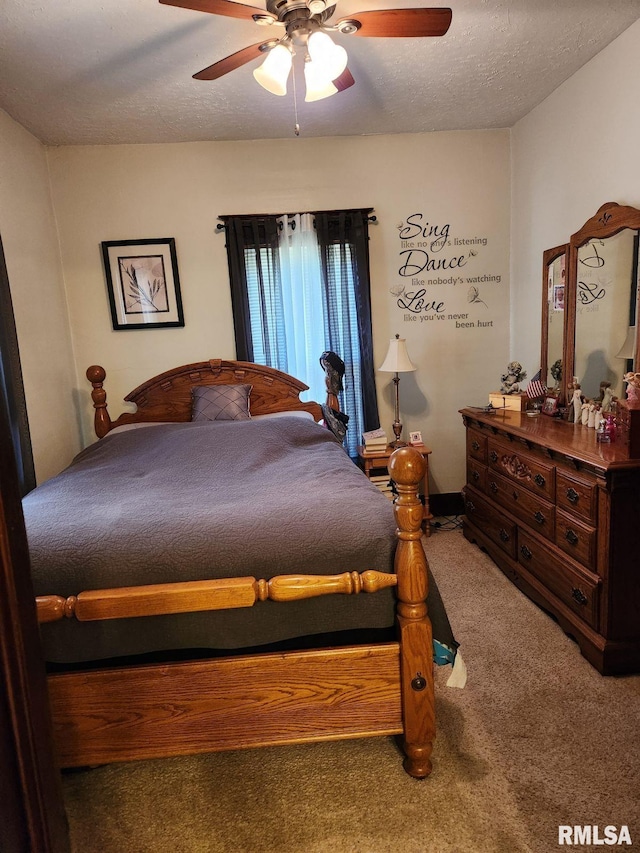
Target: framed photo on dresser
<point x="550" y="405"/>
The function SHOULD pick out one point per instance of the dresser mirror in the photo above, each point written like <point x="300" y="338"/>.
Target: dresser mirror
<point x="554" y="273"/>
<point x="602" y="294"/>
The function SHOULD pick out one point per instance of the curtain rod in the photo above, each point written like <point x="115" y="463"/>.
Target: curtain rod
<point x="222" y="225"/>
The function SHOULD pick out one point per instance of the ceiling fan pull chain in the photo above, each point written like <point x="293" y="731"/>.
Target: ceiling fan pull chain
<point x="296" y="127"/>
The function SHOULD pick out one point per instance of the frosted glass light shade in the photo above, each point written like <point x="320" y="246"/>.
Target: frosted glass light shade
<point x="274" y="71"/>
<point x="397" y="359"/>
<point x="318" y="84"/>
<point x="331" y="57"/>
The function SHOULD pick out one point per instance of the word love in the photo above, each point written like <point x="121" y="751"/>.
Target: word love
<point x="588" y="292"/>
<point x="416" y="303"/>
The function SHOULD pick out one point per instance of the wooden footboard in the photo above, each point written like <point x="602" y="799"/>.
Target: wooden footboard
<point x="246" y="701"/>
<point x="111" y="715"/>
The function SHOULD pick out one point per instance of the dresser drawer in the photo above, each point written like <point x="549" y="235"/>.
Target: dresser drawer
<point x="493" y="524"/>
<point x="525" y="470"/>
<point x="477" y="474"/>
<point x="576" y="589"/>
<point x="533" y="510"/>
<point x="577" y="497"/>
<point x="576" y="539"/>
<point x="476" y="445"/>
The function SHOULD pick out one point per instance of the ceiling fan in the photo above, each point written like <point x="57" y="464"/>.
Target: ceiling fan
<point x="305" y="25"/>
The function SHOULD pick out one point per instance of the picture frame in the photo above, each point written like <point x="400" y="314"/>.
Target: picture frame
<point x="143" y="284"/>
<point x="415" y="437"/>
<point x="550" y="405"/>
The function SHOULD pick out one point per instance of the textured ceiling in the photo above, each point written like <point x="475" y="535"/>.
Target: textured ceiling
<point x="119" y="71"/>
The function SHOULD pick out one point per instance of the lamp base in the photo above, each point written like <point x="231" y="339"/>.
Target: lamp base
<point x="398" y="442"/>
<point x="397" y="431"/>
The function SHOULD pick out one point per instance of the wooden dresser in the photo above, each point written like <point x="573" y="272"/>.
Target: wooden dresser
<point x="560" y="515"/>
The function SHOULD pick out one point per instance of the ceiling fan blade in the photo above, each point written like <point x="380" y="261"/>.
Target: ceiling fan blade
<point x="401" y="23"/>
<point x="220" y="7"/>
<point x="344" y="81"/>
<point x="230" y="63"/>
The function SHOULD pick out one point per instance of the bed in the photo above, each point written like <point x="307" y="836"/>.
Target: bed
<point x="208" y="583"/>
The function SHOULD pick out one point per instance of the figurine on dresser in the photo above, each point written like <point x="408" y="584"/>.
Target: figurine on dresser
<point x="606" y="396"/>
<point x="576" y="401"/>
<point x="512" y="378"/>
<point x="633" y="388"/>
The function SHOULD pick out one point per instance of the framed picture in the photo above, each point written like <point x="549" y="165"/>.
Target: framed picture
<point x="558" y="297"/>
<point x="550" y="405"/>
<point x="415" y="438"/>
<point x="143" y="284"/>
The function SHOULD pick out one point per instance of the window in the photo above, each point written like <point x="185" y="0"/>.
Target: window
<point x="300" y="286"/>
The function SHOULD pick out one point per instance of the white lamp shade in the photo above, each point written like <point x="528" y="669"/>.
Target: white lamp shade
<point x="331" y="57"/>
<point x="397" y="359"/>
<point x="627" y="350"/>
<point x="318" y="84"/>
<point x="274" y="71"/>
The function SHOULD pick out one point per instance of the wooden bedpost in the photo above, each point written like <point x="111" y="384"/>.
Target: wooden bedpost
<point x="101" y="421"/>
<point x="407" y="468"/>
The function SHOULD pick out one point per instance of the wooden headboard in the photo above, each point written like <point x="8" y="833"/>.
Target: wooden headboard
<point x="167" y="397"/>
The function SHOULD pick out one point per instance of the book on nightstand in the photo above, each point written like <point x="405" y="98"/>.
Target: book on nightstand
<point x="375" y="439"/>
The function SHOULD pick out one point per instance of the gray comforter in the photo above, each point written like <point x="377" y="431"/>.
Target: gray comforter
<point x="177" y="502"/>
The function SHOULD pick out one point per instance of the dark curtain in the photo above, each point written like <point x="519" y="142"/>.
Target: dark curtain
<point x="11" y="386"/>
<point x="252" y="242"/>
<point x="343" y="237"/>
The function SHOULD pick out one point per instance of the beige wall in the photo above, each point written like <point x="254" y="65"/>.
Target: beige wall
<point x="457" y="182"/>
<point x="27" y="226"/>
<point x="574" y="152"/>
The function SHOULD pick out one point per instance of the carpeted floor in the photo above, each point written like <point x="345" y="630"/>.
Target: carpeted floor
<point x="535" y="740"/>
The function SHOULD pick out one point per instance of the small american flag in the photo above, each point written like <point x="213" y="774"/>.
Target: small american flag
<point x="535" y="388"/>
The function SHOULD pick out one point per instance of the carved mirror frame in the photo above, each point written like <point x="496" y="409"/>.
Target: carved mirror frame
<point x="549" y="256"/>
<point x="610" y="219"/>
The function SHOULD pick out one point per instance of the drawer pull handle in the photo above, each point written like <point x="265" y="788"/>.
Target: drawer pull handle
<point x="515" y="495"/>
<point x="475" y="476"/>
<point x="475" y="446"/>
<point x="504" y="535"/>
<point x="539" y="517"/>
<point x="571" y="537"/>
<point x="539" y="480"/>
<point x="526" y="553"/>
<point x="494" y="456"/>
<point x="579" y="596"/>
<point x="471" y="506"/>
<point x="572" y="496"/>
<point x="493" y="486"/>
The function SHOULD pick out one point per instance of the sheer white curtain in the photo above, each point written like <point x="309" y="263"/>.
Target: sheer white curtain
<point x="302" y="297"/>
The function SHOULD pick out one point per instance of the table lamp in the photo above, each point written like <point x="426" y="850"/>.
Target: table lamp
<point x="627" y="350"/>
<point x="397" y="361"/>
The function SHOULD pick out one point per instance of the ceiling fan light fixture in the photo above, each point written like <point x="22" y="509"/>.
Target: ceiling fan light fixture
<point x="272" y="75"/>
<point x="318" y="84"/>
<point x="330" y="56"/>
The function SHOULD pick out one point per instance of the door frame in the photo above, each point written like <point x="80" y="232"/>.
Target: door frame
<point x="30" y="783"/>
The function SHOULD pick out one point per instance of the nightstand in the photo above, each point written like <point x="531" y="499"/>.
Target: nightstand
<point x="375" y="464"/>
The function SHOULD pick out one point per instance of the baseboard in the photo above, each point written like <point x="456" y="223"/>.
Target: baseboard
<point x="450" y="503"/>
